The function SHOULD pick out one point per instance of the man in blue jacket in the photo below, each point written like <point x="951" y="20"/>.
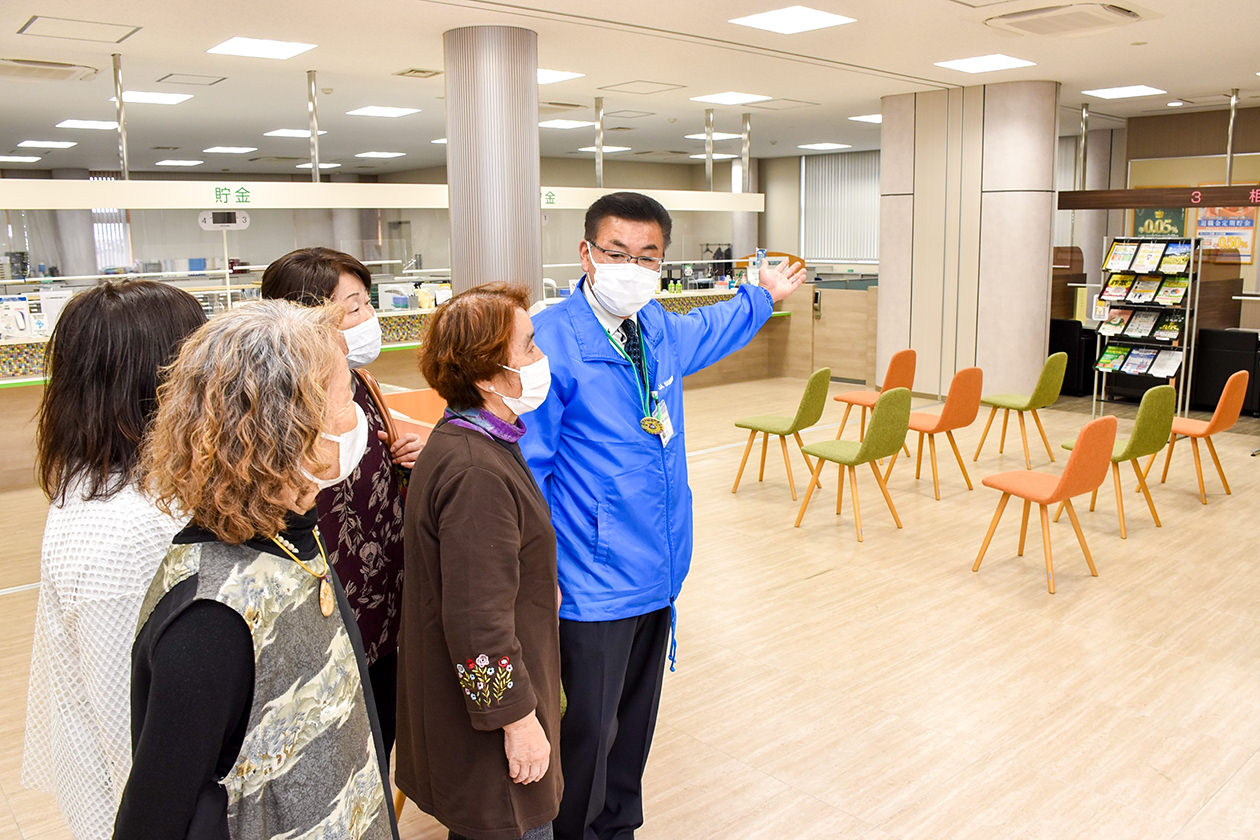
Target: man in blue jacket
<point x="608" y="449"/>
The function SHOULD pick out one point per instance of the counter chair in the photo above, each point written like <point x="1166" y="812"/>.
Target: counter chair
<point x="900" y="374"/>
<point x="1150" y="434"/>
<point x="1228" y="407"/>
<point x="1044" y="395"/>
<point x="1086" y="468"/>
<point x="807" y="413"/>
<point x="887" y="434"/>
<point x="962" y="404"/>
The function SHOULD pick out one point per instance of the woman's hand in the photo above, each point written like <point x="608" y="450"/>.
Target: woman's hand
<point x="527" y="748"/>
<point x="405" y="449"/>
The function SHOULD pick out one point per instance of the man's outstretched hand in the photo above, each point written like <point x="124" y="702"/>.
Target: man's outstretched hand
<point x="781" y="280"/>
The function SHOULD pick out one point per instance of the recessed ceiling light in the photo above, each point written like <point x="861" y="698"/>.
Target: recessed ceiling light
<point x="869" y="118"/>
<point x="441" y="141"/>
<point x="731" y="97"/>
<point x="95" y="125"/>
<point x="824" y="147"/>
<point x="1176" y="103"/>
<point x="1125" y="92"/>
<point x="78" y="30"/>
<point x="47" y="144"/>
<point x="149" y="97"/>
<point x="607" y="149"/>
<point x="380" y="154"/>
<point x="791" y="20"/>
<point x="191" y="79"/>
<point x="628" y="114"/>
<point x="716" y="156"/>
<point x="179" y="163"/>
<point x="260" y="48"/>
<point x="321" y="166"/>
<point x="565" y="124"/>
<point x="548" y="77"/>
<point x="985" y="63"/>
<point x="296" y="133"/>
<point x="717" y="135"/>
<point x="19" y="158"/>
<point x="229" y="150"/>
<point x="381" y="111"/>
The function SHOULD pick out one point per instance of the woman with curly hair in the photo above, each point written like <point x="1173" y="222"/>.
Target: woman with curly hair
<point x="251" y="710"/>
<point x="479" y="692"/>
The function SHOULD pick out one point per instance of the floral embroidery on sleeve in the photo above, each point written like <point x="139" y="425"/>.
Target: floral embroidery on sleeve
<point x="484" y="683"/>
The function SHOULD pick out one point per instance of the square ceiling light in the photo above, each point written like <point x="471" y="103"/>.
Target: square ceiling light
<point x="179" y="163"/>
<point x="731" y="97"/>
<point x="565" y="124"/>
<point x="716" y="156"/>
<point x="381" y="111"/>
<point x="19" y="158"/>
<point x="296" y="133"/>
<point x="260" y="48"/>
<point x="607" y="149"/>
<point x="381" y="155"/>
<point x="876" y="119"/>
<point x="78" y="30"/>
<point x="642" y="87"/>
<point x="717" y="135"/>
<point x="94" y="125"/>
<point x="628" y="114"/>
<point x="550" y="77"/>
<point x="307" y="165"/>
<point x="47" y="144"/>
<point x="150" y="97"/>
<point x="441" y="141"/>
<point x="824" y="147"/>
<point x="1126" y="92"/>
<point x="985" y="63"/>
<point x="782" y="104"/>
<point x="229" y="150"/>
<point x="191" y="79"/>
<point x="792" y="20"/>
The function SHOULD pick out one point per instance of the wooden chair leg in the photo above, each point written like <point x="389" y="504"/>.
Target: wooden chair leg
<point x="1093" y="497"/>
<point x="1006" y="416"/>
<point x="936" y="480"/>
<point x="918" y="462"/>
<point x="883" y="488"/>
<point x="1146" y="491"/>
<point x="809" y="491"/>
<point x="788" y="465"/>
<point x="1172" y="441"/>
<point x="1217" y="461"/>
<point x="809" y="465"/>
<point x="1023" y="436"/>
<point x="988" y="537"/>
<point x="1045" y="440"/>
<point x="953" y="444"/>
<point x="765" y="440"/>
<point x="1057" y="513"/>
<point x="839" y="488"/>
<point x="752" y="437"/>
<point x="1023" y="527"/>
<point x="891" y="462"/>
<point x="905" y="449"/>
<point x="1080" y="538"/>
<point x="862" y="428"/>
<point x="985" y="433"/>
<point x="1198" y="469"/>
<point x="857" y="511"/>
<point x="1045" y="547"/>
<point x="845" y="419"/>
<point x="400" y="799"/>
<point x="1115" y="474"/>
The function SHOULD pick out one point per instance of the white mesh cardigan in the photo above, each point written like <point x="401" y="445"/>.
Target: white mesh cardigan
<point x="96" y="564"/>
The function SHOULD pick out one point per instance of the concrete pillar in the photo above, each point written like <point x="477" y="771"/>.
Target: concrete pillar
<point x="76" y="244"/>
<point x="492" y="156"/>
<point x="966" y="211"/>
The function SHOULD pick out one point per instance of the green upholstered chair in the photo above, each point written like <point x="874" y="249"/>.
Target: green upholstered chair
<point x="1150" y="434"/>
<point x="885" y="435"/>
<point x="807" y="414"/>
<point x="1043" y="396"/>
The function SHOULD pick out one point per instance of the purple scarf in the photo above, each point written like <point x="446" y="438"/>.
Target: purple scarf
<point x="480" y="420"/>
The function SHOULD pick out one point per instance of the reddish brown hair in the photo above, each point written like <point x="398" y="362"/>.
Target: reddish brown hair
<point x="468" y="339"/>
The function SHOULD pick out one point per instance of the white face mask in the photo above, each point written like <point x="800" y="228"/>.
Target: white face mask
<point x="351" y="445"/>
<point x="623" y="288"/>
<point x="535" y="385"/>
<point x="364" y="342"/>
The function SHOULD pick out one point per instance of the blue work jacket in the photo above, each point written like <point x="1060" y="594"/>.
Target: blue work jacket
<point x="619" y="500"/>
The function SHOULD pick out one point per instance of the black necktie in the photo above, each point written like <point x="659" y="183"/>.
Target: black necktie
<point x="629" y="332"/>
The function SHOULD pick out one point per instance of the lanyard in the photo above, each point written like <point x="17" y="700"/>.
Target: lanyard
<point x="640" y="383"/>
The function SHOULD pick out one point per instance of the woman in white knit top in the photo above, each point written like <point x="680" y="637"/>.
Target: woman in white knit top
<point x="102" y="541"/>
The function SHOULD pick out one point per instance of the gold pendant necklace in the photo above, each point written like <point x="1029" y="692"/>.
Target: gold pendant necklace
<point x="327" y="602"/>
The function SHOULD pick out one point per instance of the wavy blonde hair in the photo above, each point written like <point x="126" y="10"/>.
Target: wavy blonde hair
<point x="239" y="416"/>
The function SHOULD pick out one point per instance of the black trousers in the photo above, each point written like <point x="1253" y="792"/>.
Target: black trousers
<point x="383" y="674"/>
<point x="612" y="673"/>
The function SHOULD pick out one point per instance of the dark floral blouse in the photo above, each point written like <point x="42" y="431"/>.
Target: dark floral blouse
<point x="360" y="520"/>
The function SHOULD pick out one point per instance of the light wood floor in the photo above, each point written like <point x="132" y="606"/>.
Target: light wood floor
<point x="830" y="689"/>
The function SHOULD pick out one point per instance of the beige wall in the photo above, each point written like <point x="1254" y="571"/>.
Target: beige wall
<point x="780" y="181"/>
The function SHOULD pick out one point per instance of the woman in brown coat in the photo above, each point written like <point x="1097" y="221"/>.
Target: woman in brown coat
<point x="479" y="662"/>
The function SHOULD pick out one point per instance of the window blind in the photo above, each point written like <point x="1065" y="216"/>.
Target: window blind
<point x="840" y="207"/>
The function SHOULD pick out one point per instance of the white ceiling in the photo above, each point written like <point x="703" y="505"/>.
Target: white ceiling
<point x="1195" y="49"/>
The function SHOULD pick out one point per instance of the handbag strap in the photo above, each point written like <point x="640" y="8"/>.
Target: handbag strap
<point x="374" y="391"/>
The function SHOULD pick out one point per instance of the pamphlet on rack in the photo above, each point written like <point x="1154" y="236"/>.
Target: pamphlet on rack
<point x="1139" y="360"/>
<point x="1173" y="290"/>
<point x="1120" y="256"/>
<point x="1143" y="290"/>
<point x="1100" y="308"/>
<point x="1170" y="326"/>
<point x="1116" y="320"/>
<point x="1166" y="364"/>
<point x="1147" y="259"/>
<point x="1141" y="324"/>
<point x="1112" y="357"/>
<point x="1117" y="286"/>
<point x="1176" y="258"/>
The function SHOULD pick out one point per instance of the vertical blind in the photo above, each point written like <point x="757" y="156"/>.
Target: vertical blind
<point x="109" y="231"/>
<point x="840" y="207"/>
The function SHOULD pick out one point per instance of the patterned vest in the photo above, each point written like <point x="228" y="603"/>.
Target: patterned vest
<point x="308" y="766"/>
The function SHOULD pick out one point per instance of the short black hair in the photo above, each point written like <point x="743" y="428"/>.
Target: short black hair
<point x="309" y="276"/>
<point x="633" y="206"/>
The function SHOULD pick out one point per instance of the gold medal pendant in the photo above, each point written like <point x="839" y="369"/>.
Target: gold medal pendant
<point x="326" y="599"/>
<point x="652" y="426"/>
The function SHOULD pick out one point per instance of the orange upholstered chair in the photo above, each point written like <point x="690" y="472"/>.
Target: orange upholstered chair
<point x="900" y="374"/>
<point x="1086" y="469"/>
<point x="1228" y="407"/>
<point x="960" y="410"/>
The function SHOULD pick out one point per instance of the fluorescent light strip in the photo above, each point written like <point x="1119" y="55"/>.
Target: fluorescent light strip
<point x="1125" y="92"/>
<point x="875" y="119"/>
<point x="47" y="144"/>
<point x="731" y="97"/>
<point x="381" y="155"/>
<point x="565" y="124"/>
<point x="229" y="150"/>
<point x="381" y="111"/>
<point x="550" y="77"/>
<point x="19" y="158"/>
<point x="260" y="48"/>
<point x="94" y="125"/>
<point x="295" y="133"/>
<point x="321" y="166"/>
<point x="179" y="163"/>
<point x="717" y="135"/>
<point x="607" y="149"/>
<point x="716" y="156"/>
<point x="150" y="97"/>
<point x="824" y="147"/>
<point x="985" y="63"/>
<point x="792" y="20"/>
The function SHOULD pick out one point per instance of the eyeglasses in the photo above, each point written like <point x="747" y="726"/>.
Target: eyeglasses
<point x="652" y="263"/>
